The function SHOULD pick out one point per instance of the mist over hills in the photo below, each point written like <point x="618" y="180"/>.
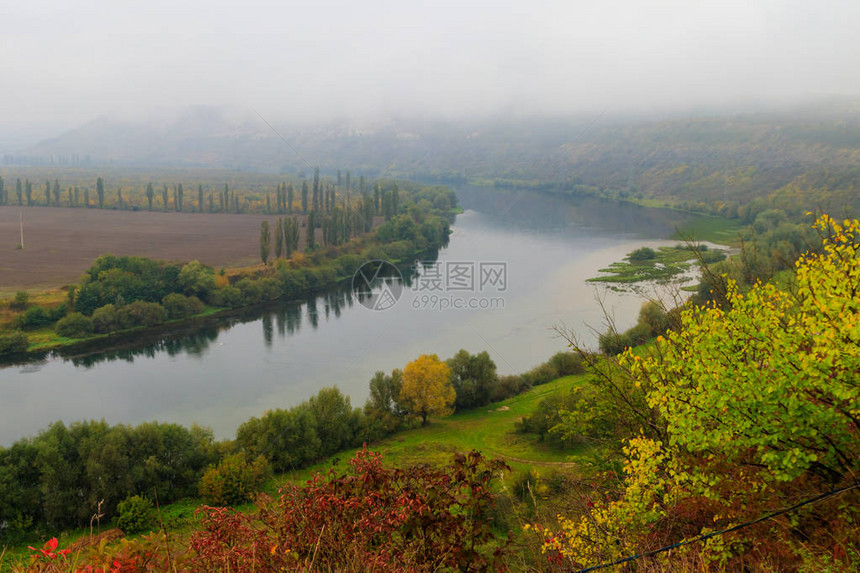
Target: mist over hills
<point x="705" y="156"/>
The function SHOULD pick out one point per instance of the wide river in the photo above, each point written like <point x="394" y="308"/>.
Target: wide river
<point x="516" y="264"/>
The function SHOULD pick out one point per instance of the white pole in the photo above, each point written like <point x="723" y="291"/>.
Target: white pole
<point x="21" y="218"/>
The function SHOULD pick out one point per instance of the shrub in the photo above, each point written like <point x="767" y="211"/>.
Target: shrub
<point x="234" y="480"/>
<point x="57" y="313"/>
<point x="140" y="313"/>
<point x="22" y="298"/>
<point x="105" y="319"/>
<point x="13" y="343"/>
<point x="508" y="385"/>
<point x="34" y="317"/>
<point x="180" y="306"/>
<point x="643" y="254"/>
<point x="373" y="518"/>
<point x="135" y="514"/>
<point x="612" y="343"/>
<point x="76" y="325"/>
<point x="566" y="363"/>
<point x="229" y="297"/>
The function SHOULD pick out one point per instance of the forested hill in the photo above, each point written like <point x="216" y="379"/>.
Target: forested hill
<point x="728" y="160"/>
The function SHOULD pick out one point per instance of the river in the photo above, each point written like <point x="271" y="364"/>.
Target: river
<point x="535" y="252"/>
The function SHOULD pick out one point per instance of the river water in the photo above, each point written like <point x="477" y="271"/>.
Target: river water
<point x="515" y="266"/>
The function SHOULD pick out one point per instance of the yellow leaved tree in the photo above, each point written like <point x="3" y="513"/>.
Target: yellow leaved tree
<point x="759" y="403"/>
<point x="427" y="389"/>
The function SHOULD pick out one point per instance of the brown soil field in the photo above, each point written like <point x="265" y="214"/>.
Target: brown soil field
<point x="60" y="243"/>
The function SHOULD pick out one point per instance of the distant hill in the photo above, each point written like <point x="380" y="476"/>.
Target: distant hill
<point x="705" y="159"/>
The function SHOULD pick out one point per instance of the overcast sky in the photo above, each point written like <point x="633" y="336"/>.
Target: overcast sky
<point x="63" y="62"/>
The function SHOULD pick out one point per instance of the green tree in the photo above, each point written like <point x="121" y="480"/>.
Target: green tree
<point x="279" y="238"/>
<point x="136" y="514"/>
<point x="19" y="191"/>
<point x="427" y="389"/>
<point x="75" y="325"/>
<point x="473" y="377"/>
<point x="310" y="230"/>
<point x="100" y="191"/>
<point x="197" y="279"/>
<point x="164" y="197"/>
<point x="304" y="196"/>
<point x="290" y="192"/>
<point x="383" y="407"/>
<point x="150" y="193"/>
<point x="265" y="242"/>
<point x="234" y="480"/>
<point x="336" y="420"/>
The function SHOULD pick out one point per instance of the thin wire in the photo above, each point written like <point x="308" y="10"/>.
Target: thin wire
<point x="284" y="140"/>
<point x="721" y="532"/>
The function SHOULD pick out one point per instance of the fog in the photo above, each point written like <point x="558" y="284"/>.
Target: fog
<point x="66" y="61"/>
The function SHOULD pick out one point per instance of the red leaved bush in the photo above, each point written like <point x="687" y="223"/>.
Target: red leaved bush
<point x="374" y="518"/>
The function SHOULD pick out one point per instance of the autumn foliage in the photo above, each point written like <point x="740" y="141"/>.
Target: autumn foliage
<point x="760" y="409"/>
<point x="371" y="519"/>
<point x="427" y="389"/>
<point x="368" y="518"/>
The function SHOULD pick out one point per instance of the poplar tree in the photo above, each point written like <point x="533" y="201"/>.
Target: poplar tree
<point x="311" y="230"/>
<point x="200" y="198"/>
<point x="47" y="192"/>
<point x="316" y="195"/>
<point x="304" y="196"/>
<point x="290" y="198"/>
<point x="150" y="193"/>
<point x="100" y="191"/>
<point x="265" y="242"/>
<point x="279" y="238"/>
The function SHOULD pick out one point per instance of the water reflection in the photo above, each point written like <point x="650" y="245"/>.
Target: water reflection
<point x="219" y="371"/>
<point x="191" y="342"/>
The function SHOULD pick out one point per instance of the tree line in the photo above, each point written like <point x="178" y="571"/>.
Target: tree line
<point x="118" y="293"/>
<point x="321" y="195"/>
<point x="58" y="478"/>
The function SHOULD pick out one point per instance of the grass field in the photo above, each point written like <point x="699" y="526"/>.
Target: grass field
<point x="490" y="430"/>
<point x="712" y="229"/>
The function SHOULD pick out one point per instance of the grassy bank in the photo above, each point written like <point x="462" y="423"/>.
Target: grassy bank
<point x="490" y="430"/>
